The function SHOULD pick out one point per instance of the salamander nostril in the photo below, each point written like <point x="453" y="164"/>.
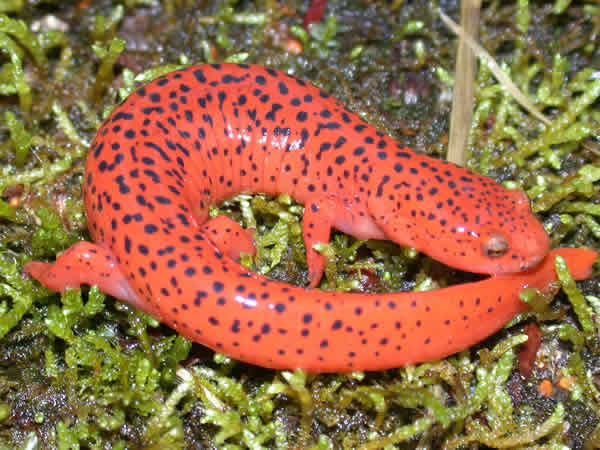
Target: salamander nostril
<point x="495" y="246"/>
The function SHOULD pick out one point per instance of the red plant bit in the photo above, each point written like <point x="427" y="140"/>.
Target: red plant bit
<point x="529" y="349"/>
<point x="546" y="389"/>
<point x="314" y="13"/>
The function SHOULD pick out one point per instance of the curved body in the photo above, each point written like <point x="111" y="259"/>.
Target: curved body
<point x="202" y="134"/>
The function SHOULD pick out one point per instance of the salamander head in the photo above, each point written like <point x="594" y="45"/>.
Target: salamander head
<point x="464" y="220"/>
<point x="495" y="230"/>
<point x="498" y="250"/>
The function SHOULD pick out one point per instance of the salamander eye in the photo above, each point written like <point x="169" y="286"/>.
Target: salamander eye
<point x="495" y="246"/>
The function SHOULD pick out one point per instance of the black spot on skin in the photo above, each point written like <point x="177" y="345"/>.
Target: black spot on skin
<point x="123" y="188"/>
<point x="150" y="228"/>
<point x="340" y="142"/>
<point x="199" y="74"/>
<point x="200" y="295"/>
<point x="162" y="200"/>
<point x="122" y="115"/>
<point x="358" y="151"/>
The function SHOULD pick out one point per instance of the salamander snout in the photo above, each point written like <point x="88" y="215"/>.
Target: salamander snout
<point x="504" y="252"/>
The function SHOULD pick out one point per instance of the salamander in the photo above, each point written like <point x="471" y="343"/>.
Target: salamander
<point x="198" y="135"/>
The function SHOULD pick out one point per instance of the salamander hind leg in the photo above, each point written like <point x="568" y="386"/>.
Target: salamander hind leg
<point x="229" y="237"/>
<point x="84" y="263"/>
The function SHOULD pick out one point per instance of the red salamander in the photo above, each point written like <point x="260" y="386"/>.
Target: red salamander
<point x="196" y="136"/>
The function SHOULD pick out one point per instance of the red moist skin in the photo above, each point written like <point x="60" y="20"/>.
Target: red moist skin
<point x="202" y="134"/>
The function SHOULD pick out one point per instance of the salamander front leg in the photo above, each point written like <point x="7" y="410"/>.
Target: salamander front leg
<point x="323" y="213"/>
<point x="318" y="219"/>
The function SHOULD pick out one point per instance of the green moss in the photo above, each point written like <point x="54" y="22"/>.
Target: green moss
<point x="108" y="57"/>
<point x="19" y="136"/>
<point x="86" y="371"/>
